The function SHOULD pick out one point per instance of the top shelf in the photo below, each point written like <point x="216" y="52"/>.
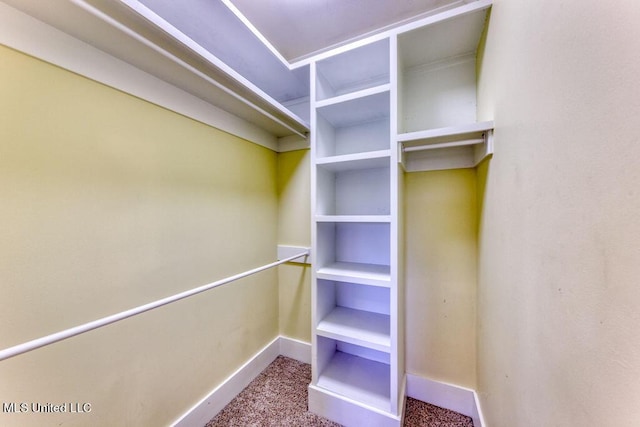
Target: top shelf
<point x="357" y="69"/>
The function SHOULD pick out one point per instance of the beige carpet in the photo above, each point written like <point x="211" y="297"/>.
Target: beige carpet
<point x="278" y="397"/>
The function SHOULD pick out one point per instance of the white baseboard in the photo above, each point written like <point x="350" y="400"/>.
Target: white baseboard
<point x="460" y="399"/>
<point x="448" y="396"/>
<point x="295" y="349"/>
<point x="478" y="419"/>
<point x="215" y="401"/>
<point x="348" y="412"/>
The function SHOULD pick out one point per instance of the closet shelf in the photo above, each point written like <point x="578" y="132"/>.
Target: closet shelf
<point x="368" y="107"/>
<point x="363" y="380"/>
<point x="455" y="147"/>
<point x="363" y="160"/>
<point x="362" y="274"/>
<point x="354" y="95"/>
<point x="363" y="328"/>
<point x="354" y="218"/>
<point x="446" y="134"/>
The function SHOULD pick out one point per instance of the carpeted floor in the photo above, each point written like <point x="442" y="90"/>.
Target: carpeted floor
<point x="278" y="397"/>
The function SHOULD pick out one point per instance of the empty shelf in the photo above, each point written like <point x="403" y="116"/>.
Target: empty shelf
<point x="353" y="218"/>
<point x="364" y="274"/>
<point x="363" y="328"/>
<point x="358" y="378"/>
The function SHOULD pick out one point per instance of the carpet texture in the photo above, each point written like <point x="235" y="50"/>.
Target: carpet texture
<point x="278" y="397"/>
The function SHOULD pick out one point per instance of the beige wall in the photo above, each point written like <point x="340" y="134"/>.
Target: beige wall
<point x="440" y="268"/>
<point x="559" y="301"/>
<point x="294" y="228"/>
<point x="108" y="202"/>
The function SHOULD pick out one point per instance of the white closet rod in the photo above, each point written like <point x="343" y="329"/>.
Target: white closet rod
<point x="77" y="330"/>
<point x="443" y="145"/>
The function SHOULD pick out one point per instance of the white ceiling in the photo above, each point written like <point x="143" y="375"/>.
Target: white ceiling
<point x="300" y="28"/>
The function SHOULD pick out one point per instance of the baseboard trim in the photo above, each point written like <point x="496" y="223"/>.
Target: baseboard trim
<point x="444" y="395"/>
<point x="215" y="401"/>
<point x="295" y="349"/>
<point x="219" y="397"/>
<point x="476" y="416"/>
<point x="448" y="396"/>
<point x="348" y="412"/>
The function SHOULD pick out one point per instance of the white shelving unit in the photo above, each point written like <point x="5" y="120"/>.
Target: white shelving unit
<point x="404" y="101"/>
<point x="437" y="94"/>
<point x="355" y="328"/>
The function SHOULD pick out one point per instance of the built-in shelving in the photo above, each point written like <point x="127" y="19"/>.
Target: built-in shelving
<point x="407" y="100"/>
<point x="437" y="95"/>
<point x="355" y="353"/>
<point x="353" y="218"/>
<point x="352" y="71"/>
<point x="454" y="147"/>
<point x="359" y="327"/>
<point x="363" y="380"/>
<point x="360" y="273"/>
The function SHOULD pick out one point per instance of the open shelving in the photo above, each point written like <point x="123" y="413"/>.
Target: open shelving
<point x="414" y="89"/>
<point x="355" y="327"/>
<point x="437" y="94"/>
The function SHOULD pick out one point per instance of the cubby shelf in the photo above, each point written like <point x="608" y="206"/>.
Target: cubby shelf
<point x="364" y="274"/>
<point x="355" y="161"/>
<point x="365" y="67"/>
<point x="363" y="380"/>
<point x="359" y="327"/>
<point x="351" y="96"/>
<point x="353" y="218"/>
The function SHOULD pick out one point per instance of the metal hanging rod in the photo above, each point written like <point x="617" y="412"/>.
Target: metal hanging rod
<point x="86" y="327"/>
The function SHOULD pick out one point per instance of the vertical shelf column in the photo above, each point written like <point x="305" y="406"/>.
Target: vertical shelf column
<point x="357" y="359"/>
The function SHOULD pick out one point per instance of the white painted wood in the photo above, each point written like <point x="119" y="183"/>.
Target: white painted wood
<point x="463" y="131"/>
<point x="218" y="398"/>
<point x="365" y="274"/>
<point x="453" y="147"/>
<point x="190" y="55"/>
<point x="449" y="396"/>
<point x="351" y="96"/>
<point x="363" y="243"/>
<point x="38" y="39"/>
<point x="454" y="10"/>
<point x="477" y="416"/>
<point x="440" y="159"/>
<point x="363" y="328"/>
<point x="353" y="218"/>
<point x="353" y="191"/>
<point x="360" y="379"/>
<point x="295" y="349"/>
<point x="364" y="67"/>
<point x="396" y="300"/>
<point x="462" y="143"/>
<point x="358" y="110"/>
<point x="361" y="297"/>
<point x="355" y="161"/>
<point x="435" y="97"/>
<point x="286" y="251"/>
<point x="347" y="411"/>
<point x="351" y="295"/>
<point x="449" y="38"/>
